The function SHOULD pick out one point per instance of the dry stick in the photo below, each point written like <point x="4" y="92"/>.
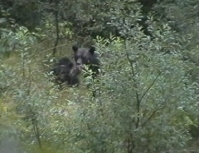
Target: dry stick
<point x="57" y="28"/>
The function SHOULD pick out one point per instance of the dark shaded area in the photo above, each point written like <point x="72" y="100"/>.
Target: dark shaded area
<point x="66" y="71"/>
<point x="30" y="14"/>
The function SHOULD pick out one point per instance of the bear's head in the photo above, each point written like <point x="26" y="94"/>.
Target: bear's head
<point x="86" y="56"/>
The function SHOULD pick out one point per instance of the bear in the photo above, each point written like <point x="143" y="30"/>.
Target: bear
<point x="87" y="56"/>
<point x="63" y="61"/>
<point x="66" y="71"/>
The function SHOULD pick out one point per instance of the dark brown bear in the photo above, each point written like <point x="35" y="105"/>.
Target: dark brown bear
<point x="87" y="56"/>
<point x="66" y="71"/>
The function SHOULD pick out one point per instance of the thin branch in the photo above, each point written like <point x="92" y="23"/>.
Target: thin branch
<point x="150" y="86"/>
<point x="57" y="28"/>
<point x="150" y="117"/>
<point x="36" y="131"/>
<point x="135" y="85"/>
<point x="32" y="113"/>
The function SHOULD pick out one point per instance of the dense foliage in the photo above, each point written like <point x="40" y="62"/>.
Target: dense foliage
<point x="146" y="96"/>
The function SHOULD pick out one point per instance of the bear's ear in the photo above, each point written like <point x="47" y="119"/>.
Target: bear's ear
<point x="75" y="48"/>
<point x="92" y="50"/>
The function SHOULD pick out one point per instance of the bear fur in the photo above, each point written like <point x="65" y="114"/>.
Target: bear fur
<point x="87" y="56"/>
<point x="66" y="71"/>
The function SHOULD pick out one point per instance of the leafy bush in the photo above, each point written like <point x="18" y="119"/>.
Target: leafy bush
<point x="145" y="101"/>
<point x="145" y="98"/>
<point x="19" y="39"/>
